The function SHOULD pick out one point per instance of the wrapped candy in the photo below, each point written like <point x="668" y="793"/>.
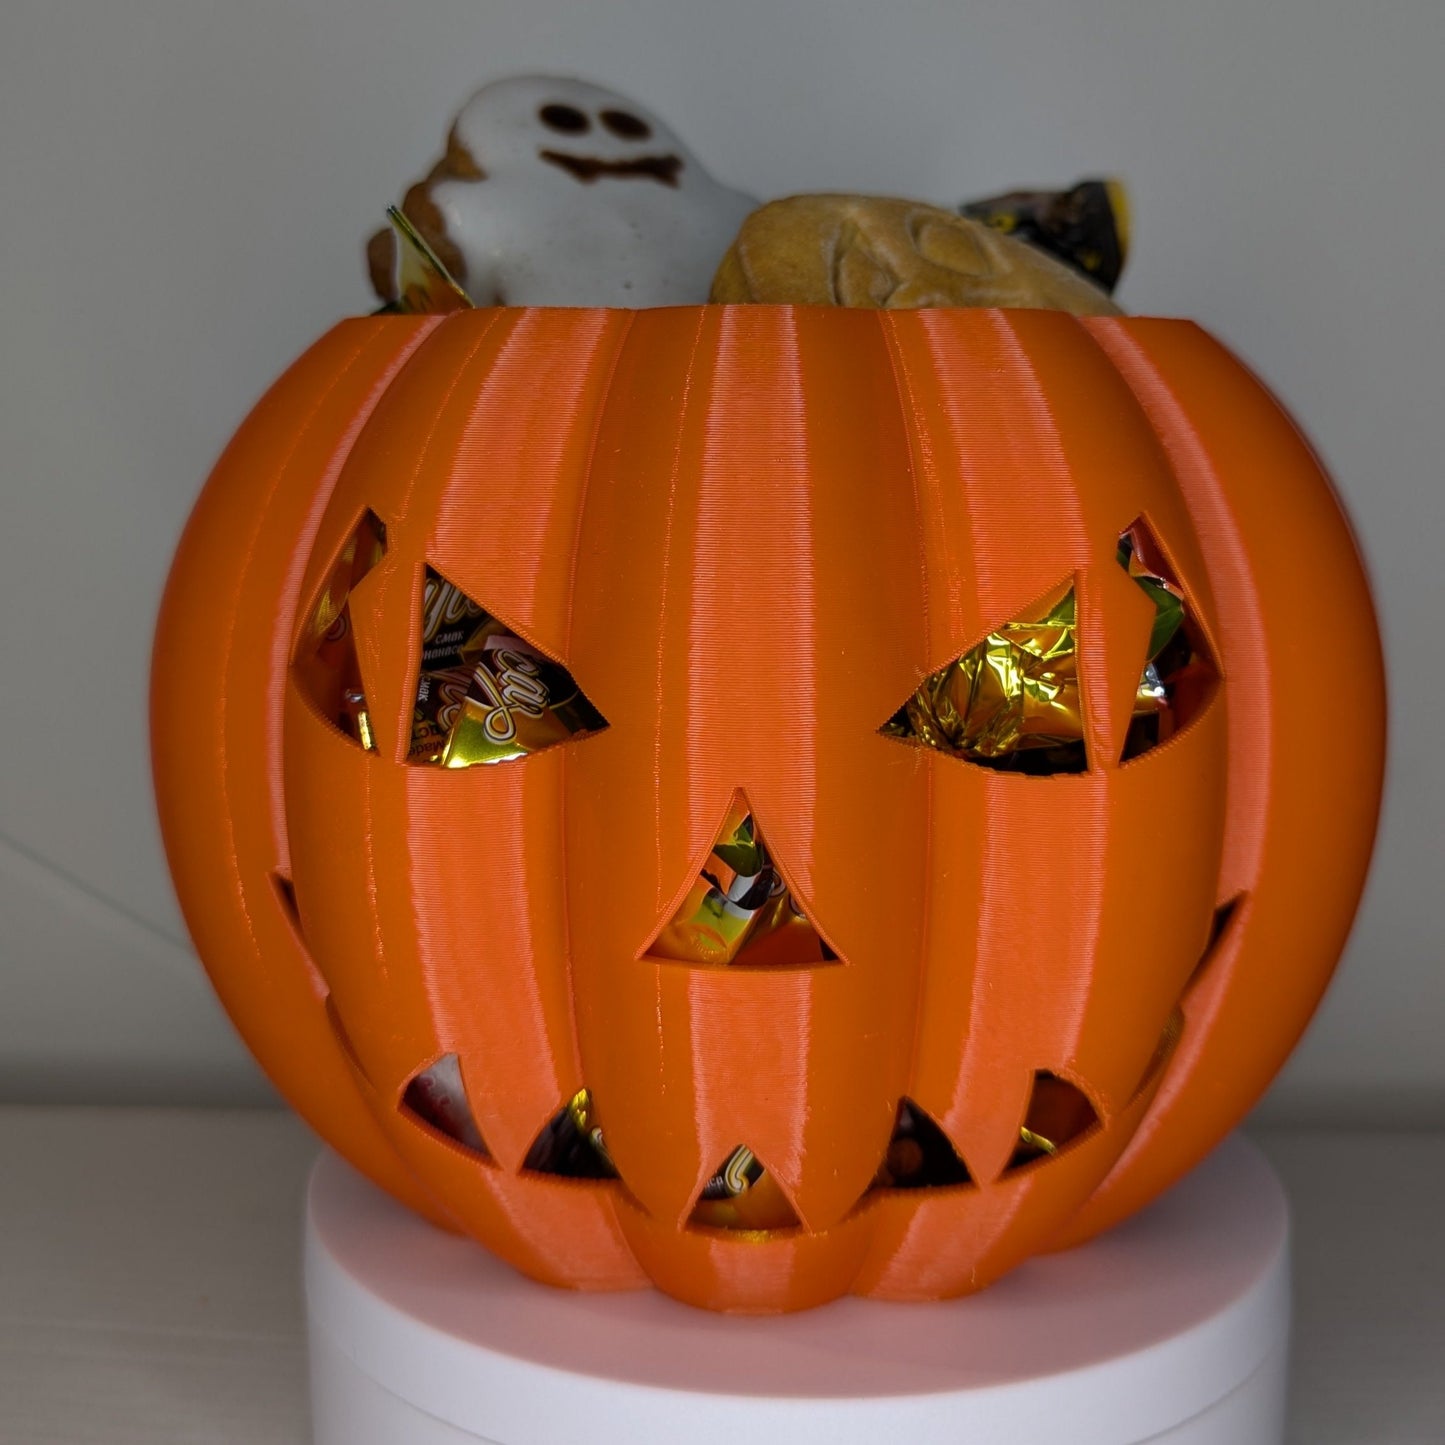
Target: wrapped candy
<point x="1010" y="702"/>
<point x="1085" y="226"/>
<point x="739" y="908"/>
<point x="572" y="1145"/>
<point x="483" y="694"/>
<point x="743" y="1195"/>
<point x="423" y="285"/>
<point x="1013" y="701"/>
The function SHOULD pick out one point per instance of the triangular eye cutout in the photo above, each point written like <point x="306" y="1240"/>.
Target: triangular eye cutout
<point x="326" y="660"/>
<point x="739" y="910"/>
<point x="1011" y="702"/>
<point x="1178" y="674"/>
<point x="743" y="1195"/>
<point x="483" y="695"/>
<point x="437" y="1098"/>
<point x="920" y="1155"/>
<point x="1058" y="1115"/>
<point x="571" y="1145"/>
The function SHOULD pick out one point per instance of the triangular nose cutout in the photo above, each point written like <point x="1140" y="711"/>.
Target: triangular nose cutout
<point x="739" y="910"/>
<point x="920" y="1155"/>
<point x="570" y="1144"/>
<point x="1059" y="1115"/>
<point x="437" y="1099"/>
<point x="743" y="1195"/>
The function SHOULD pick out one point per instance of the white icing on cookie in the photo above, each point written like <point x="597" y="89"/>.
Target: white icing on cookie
<point x="585" y="199"/>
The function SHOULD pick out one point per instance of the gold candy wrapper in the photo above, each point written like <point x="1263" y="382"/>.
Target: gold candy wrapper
<point x="1013" y="701"/>
<point x="485" y="695"/>
<point x="424" y="286"/>
<point x="356" y="719"/>
<point x="1086" y="226"/>
<point x="740" y="909"/>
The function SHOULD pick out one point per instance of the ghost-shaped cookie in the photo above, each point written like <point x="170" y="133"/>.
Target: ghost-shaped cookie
<point x="556" y="192"/>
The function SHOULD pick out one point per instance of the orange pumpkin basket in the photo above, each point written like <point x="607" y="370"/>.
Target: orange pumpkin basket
<point x="520" y="981"/>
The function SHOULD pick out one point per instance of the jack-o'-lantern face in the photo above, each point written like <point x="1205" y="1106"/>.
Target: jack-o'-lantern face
<point x="764" y="799"/>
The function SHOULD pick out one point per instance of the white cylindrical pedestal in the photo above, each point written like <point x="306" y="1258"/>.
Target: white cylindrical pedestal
<point x="1173" y="1328"/>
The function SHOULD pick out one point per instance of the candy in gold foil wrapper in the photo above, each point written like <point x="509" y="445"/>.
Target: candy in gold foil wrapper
<point x="356" y="719"/>
<point x="1085" y="226"/>
<point x="424" y="286"/>
<point x="1013" y="701"/>
<point x="739" y="908"/>
<point x="483" y="694"/>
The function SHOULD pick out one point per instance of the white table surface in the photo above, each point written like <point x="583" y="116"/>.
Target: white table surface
<point x="150" y="1285"/>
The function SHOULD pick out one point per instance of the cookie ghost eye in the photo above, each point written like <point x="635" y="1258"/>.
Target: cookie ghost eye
<point x="566" y="118"/>
<point x="626" y="125"/>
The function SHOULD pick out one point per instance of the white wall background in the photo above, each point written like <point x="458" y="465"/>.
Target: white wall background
<point x="184" y="189"/>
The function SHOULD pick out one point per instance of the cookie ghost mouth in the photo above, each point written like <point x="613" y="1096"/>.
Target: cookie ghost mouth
<point x="587" y="169"/>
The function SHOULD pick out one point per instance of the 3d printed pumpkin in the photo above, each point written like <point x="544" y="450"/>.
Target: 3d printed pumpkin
<point x="749" y="535"/>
